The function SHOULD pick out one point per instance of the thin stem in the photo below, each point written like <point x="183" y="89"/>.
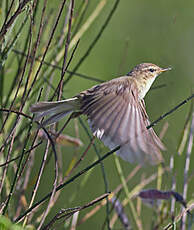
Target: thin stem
<point x="94" y="41"/>
<point x="62" y="185"/>
<point x="170" y="111"/>
<point x="38" y="179"/>
<point x="186" y="169"/>
<point x="8" y="24"/>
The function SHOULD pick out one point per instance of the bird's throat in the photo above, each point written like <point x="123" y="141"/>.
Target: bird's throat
<point x="144" y="86"/>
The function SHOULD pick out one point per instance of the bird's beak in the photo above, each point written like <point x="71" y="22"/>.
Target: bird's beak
<point x="165" y="69"/>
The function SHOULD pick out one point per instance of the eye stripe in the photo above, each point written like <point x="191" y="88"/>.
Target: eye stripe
<point x="150" y="69"/>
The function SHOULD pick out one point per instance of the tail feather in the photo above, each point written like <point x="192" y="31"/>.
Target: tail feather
<point x="54" y="110"/>
<point x="54" y="118"/>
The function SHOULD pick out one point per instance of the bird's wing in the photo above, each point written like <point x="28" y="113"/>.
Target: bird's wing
<point x="117" y="117"/>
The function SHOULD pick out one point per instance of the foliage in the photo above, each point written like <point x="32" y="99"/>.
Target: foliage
<point x="51" y="50"/>
<point x="6" y="224"/>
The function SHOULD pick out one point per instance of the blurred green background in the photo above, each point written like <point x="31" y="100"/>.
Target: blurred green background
<point x="161" y="32"/>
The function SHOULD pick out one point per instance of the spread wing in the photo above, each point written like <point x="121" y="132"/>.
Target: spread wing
<point x="118" y="117"/>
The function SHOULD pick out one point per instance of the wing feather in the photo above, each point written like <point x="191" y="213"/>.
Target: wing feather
<point x="95" y="105"/>
<point x="118" y="117"/>
<point x="114" y="129"/>
<point x="108" y="119"/>
<point x="103" y="118"/>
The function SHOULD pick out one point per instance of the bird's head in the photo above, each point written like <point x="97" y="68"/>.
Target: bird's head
<point x="145" y="75"/>
<point x="147" y="70"/>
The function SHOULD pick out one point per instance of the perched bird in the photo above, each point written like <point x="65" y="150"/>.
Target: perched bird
<point x="116" y="113"/>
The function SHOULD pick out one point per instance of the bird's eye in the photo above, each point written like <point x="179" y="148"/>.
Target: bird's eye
<point x="151" y="70"/>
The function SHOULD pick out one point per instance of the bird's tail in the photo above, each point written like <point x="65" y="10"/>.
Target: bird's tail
<point x="54" y="110"/>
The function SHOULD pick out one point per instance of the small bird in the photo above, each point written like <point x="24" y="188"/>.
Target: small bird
<point x="116" y="114"/>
